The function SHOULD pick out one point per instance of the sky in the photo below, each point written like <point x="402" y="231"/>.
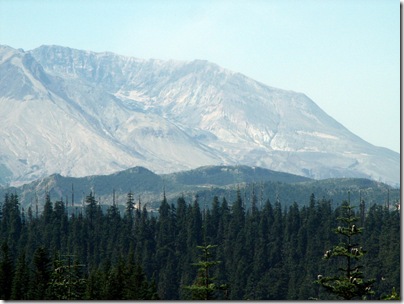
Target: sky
<point x="344" y="55"/>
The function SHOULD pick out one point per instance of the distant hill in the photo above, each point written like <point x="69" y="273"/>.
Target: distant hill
<point x="229" y="175"/>
<point x="204" y="182"/>
<point x="337" y="190"/>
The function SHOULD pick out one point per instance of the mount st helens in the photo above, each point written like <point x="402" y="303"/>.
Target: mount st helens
<point x="82" y="113"/>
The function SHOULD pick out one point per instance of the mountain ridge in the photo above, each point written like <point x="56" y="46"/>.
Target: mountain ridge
<point x="203" y="182"/>
<point x="109" y="112"/>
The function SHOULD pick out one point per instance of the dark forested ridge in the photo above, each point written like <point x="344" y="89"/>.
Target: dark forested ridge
<point x="206" y="182"/>
<point x="263" y="250"/>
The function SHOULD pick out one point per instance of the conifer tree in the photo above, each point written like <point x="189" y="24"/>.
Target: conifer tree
<point x="205" y="286"/>
<point x="91" y="208"/>
<point x="394" y="296"/>
<point x="21" y="279"/>
<point x="95" y="285"/>
<point x="128" y="222"/>
<point x="11" y="221"/>
<point x="42" y="273"/>
<point x="66" y="282"/>
<point x="350" y="283"/>
<point x="115" y="282"/>
<point x="47" y="210"/>
<point x="130" y="206"/>
<point x="6" y="272"/>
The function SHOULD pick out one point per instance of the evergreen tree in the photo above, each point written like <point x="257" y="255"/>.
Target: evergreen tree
<point x="66" y="281"/>
<point x="268" y="253"/>
<point x="137" y="286"/>
<point x="47" y="214"/>
<point x="235" y="249"/>
<point x="350" y="284"/>
<point x="21" y="278"/>
<point x="41" y="275"/>
<point x="381" y="238"/>
<point x="59" y="227"/>
<point x="6" y="272"/>
<point x="91" y="208"/>
<point x="130" y="207"/>
<point x="260" y="265"/>
<point x="95" y="285"/>
<point x="11" y="223"/>
<point x="276" y="276"/>
<point x="128" y="223"/>
<point x="112" y="228"/>
<point x="194" y="226"/>
<point x="115" y="284"/>
<point x="394" y="296"/>
<point x="181" y="233"/>
<point x="204" y="287"/>
<point x="165" y="255"/>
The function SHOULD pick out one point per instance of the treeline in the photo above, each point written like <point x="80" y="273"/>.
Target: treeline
<point x="270" y="253"/>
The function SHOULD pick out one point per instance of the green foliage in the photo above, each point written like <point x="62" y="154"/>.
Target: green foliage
<point x="350" y="284"/>
<point x="6" y="272"/>
<point x="66" y="282"/>
<point x="41" y="274"/>
<point x="394" y="296"/>
<point x="20" y="281"/>
<point x="268" y="251"/>
<point x="207" y="182"/>
<point x="204" y="287"/>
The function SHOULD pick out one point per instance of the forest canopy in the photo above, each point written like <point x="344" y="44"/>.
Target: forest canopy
<point x="263" y="251"/>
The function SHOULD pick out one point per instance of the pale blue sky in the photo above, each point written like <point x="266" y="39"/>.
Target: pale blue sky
<point x="345" y="55"/>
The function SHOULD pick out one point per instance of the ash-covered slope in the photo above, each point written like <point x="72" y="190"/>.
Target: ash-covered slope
<point x="54" y="124"/>
<point x="95" y="113"/>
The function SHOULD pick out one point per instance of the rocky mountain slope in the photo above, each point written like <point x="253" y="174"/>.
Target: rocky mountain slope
<point x="80" y="113"/>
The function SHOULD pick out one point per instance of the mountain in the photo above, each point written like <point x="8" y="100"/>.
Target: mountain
<point x="80" y="113"/>
<point x="204" y="182"/>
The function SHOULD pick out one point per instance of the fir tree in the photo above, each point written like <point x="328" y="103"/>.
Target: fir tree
<point x="350" y="284"/>
<point x="205" y="286"/>
<point x="91" y="207"/>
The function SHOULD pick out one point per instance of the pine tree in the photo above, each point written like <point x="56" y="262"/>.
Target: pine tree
<point x="350" y="284"/>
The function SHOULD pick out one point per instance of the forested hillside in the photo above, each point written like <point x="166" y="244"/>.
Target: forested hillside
<point x="266" y="251"/>
<point x="206" y="182"/>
